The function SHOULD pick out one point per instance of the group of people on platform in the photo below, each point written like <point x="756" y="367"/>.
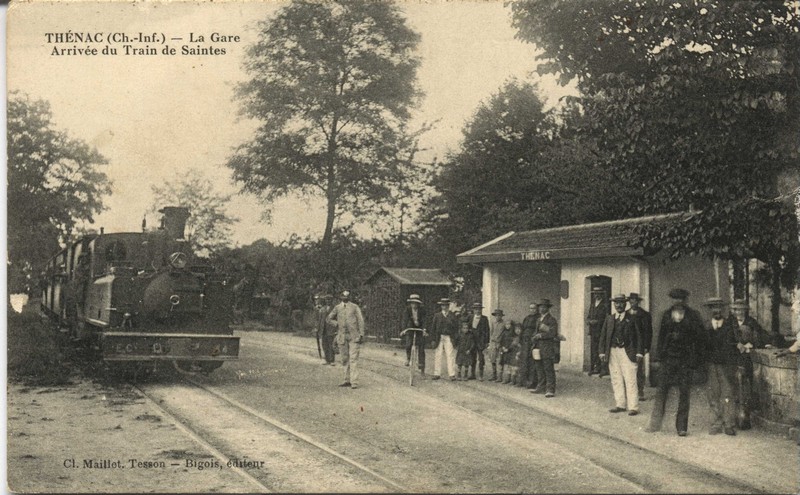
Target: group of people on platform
<point x="520" y="353"/>
<point x="525" y="353"/>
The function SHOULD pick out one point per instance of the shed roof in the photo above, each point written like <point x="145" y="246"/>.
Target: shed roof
<point x="413" y="276"/>
<point x="590" y="240"/>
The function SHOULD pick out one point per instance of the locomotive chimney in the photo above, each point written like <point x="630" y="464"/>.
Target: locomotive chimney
<point x="174" y="220"/>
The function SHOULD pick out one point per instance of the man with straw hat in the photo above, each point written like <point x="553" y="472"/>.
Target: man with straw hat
<point x="444" y="330"/>
<point x="594" y="320"/>
<point x="415" y="317"/>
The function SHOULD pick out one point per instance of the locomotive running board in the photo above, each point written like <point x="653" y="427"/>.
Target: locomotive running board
<point x="145" y="346"/>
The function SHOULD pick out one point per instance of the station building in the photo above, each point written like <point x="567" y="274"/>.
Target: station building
<point x="563" y="264"/>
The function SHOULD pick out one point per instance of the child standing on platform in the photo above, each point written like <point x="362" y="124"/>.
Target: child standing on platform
<point x="465" y="350"/>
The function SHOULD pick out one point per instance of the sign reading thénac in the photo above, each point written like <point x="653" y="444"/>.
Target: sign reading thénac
<point x="535" y="255"/>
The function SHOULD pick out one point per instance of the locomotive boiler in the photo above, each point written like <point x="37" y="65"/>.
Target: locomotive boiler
<point x="142" y="298"/>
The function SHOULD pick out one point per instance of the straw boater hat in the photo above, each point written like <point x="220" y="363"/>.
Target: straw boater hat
<point x="620" y="298"/>
<point x="444" y="301"/>
<point x="414" y="298"/>
<point x="634" y="295"/>
<point x="597" y="289"/>
<point x="714" y="301"/>
<point x="739" y="304"/>
<point x="497" y="312"/>
<point x="477" y="306"/>
<point x="544" y="302"/>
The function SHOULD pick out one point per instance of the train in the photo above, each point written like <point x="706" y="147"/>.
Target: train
<point x="139" y="299"/>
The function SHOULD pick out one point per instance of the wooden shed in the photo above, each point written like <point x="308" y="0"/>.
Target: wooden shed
<point x="385" y="294"/>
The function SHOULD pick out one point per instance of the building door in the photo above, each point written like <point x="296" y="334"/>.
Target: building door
<point x="594" y="282"/>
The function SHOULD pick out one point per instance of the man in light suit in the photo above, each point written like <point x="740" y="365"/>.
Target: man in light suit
<point x="622" y="347"/>
<point x="444" y="331"/>
<point x="346" y="317"/>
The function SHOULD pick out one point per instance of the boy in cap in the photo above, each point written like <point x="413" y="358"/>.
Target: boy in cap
<point x="494" y="341"/>
<point x="415" y="317"/>
<point x="505" y="341"/>
<point x="444" y="330"/>
<point x="646" y="328"/>
<point x="621" y="347"/>
<point x="722" y="358"/>
<point x="480" y="328"/>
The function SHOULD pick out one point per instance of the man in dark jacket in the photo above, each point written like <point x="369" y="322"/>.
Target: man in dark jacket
<point x="621" y="347"/>
<point x="480" y="328"/>
<point x="415" y="317"/>
<point x="646" y="328"/>
<point x="749" y="335"/>
<point x="325" y="333"/>
<point x="722" y="356"/>
<point x="594" y="320"/>
<point x="444" y="333"/>
<point x="527" y="370"/>
<point x="680" y="339"/>
<point x="545" y="340"/>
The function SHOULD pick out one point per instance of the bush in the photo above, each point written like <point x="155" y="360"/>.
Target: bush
<point x="34" y="356"/>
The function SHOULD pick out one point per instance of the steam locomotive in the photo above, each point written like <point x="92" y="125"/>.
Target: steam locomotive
<point x="141" y="298"/>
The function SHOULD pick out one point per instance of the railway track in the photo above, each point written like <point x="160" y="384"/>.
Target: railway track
<point x="672" y="474"/>
<point x="290" y="452"/>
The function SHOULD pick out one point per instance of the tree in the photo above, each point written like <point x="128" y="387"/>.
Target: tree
<point x="694" y="103"/>
<point x="332" y="84"/>
<point x="208" y="229"/>
<point x="54" y="181"/>
<point x="519" y="167"/>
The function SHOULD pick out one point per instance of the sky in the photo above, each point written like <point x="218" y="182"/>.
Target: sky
<point x="155" y="117"/>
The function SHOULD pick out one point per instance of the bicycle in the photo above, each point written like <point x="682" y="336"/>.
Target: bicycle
<point x="413" y="361"/>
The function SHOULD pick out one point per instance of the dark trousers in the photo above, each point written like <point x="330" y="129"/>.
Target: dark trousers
<point x="673" y="372"/>
<point x="527" y="369"/>
<point x="545" y="374"/>
<point x="327" y="347"/>
<point x="479" y="359"/>
<point x="640" y="377"/>
<point x="721" y="396"/>
<point x="420" y="350"/>
<point x="594" y="350"/>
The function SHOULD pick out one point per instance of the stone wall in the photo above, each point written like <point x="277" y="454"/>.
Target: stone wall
<point x="775" y="387"/>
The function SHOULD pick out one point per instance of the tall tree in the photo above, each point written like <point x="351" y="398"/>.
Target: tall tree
<point x="208" y="229"/>
<point x="332" y="84"/>
<point x="696" y="103"/>
<point x="519" y="167"/>
<point x="54" y="181"/>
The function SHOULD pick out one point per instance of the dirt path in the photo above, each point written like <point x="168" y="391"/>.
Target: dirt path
<point x="90" y="438"/>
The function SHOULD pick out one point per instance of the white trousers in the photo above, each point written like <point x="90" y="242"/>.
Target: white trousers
<point x="623" y="379"/>
<point x="445" y="347"/>
<point x="350" y="352"/>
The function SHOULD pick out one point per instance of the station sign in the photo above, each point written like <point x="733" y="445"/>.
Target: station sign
<point x="535" y="255"/>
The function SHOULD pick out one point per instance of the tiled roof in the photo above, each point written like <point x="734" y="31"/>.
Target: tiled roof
<point x="414" y="276"/>
<point x="591" y="240"/>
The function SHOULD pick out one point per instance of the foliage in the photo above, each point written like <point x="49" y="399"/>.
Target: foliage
<point x="208" y="229"/>
<point x="695" y="103"/>
<point x="54" y="181"/>
<point x="331" y="84"/>
<point x="519" y="167"/>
